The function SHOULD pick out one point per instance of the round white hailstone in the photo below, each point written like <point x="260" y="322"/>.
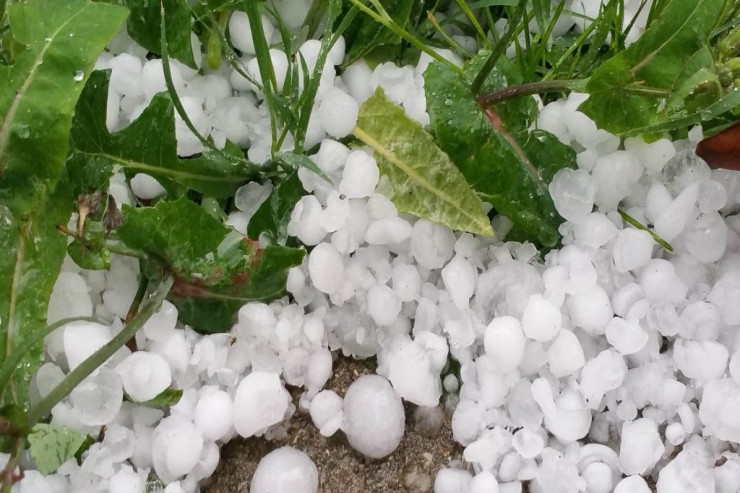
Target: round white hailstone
<point x="338" y="112"/>
<point x="504" y="342"/>
<point x="382" y="304"/>
<point x="460" y="278"/>
<point x="305" y="221"/>
<point x="125" y="77"/>
<point x="712" y="196"/>
<point x="626" y="336"/>
<point x="326" y="412"/>
<point x="260" y="402"/>
<point x="675" y="433"/>
<point x="82" y="339"/>
<point x="484" y="482"/>
<point x="614" y="176"/>
<point x="450" y="480"/>
<point x="432" y="244"/>
<point x="360" y="175"/>
<point x="594" y="230"/>
<point x="388" y="231"/>
<point x="565" y="355"/>
<point x="702" y="360"/>
<point x="309" y="51"/>
<point x="97" y="400"/>
<point x="673" y="219"/>
<point x="396" y="81"/>
<point x="527" y="443"/>
<point x="152" y="78"/>
<point x="572" y="193"/>
<point x="285" y="470"/>
<point x="249" y="198"/>
<point x="144" y="375"/>
<point x="319" y="369"/>
<point x="706" y="238"/>
<point x="598" y="477"/>
<point x="590" y="310"/>
<point x="145" y="187"/>
<point x="374" y="418"/>
<point x="641" y="446"/>
<point x="653" y="156"/>
<point x="632" y="484"/>
<point x="661" y="284"/>
<point x="551" y="119"/>
<point x="161" y="325"/>
<point x="601" y="374"/>
<point x="541" y="320"/>
<point x="326" y="268"/>
<point x="406" y="282"/>
<point x="240" y="32"/>
<point x="50" y="375"/>
<point x="726" y="295"/>
<point x="583" y="129"/>
<point x="357" y="79"/>
<point x="467" y="421"/>
<point x="213" y="415"/>
<point x="176" y="447"/>
<point x="336" y="213"/>
<point x="70" y="298"/>
<point x="126" y="480"/>
<point x="632" y="249"/>
<point x="331" y="155"/>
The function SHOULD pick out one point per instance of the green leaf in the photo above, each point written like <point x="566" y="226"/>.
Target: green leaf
<point x="424" y="180"/>
<point x="619" y="100"/>
<point x="33" y="251"/>
<point x="51" y="445"/>
<point x="508" y="170"/>
<point x="272" y="217"/>
<point x="147" y="145"/>
<point x="372" y="35"/>
<point x="167" y="398"/>
<point x="85" y="258"/>
<point x="216" y="269"/>
<point x="39" y="91"/>
<point x="144" y="22"/>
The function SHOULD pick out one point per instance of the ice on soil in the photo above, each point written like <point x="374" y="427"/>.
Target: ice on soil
<point x="285" y="470"/>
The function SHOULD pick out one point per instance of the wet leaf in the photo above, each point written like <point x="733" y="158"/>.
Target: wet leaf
<point x="367" y="36"/>
<point x="216" y="269"/>
<point x="144" y="22"/>
<point x="147" y="145"/>
<point x="37" y="96"/>
<point x="507" y="166"/>
<point x="33" y="251"/>
<point x="86" y="258"/>
<point x="51" y="445"/>
<point x="656" y="60"/>
<point x="167" y="398"/>
<point x="272" y="217"/>
<point x="424" y="180"/>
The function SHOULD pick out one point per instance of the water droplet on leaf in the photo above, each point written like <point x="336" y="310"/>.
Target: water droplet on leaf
<point x="79" y="75"/>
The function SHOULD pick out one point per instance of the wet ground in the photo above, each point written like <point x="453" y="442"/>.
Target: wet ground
<point x="412" y="467"/>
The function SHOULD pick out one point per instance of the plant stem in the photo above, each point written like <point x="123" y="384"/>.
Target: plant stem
<point x="501" y="46"/>
<point x="512" y="92"/>
<point x="8" y="474"/>
<point x="453" y="44"/>
<point x="471" y="17"/>
<point x="637" y="224"/>
<point x="17" y="355"/>
<point x="99" y="357"/>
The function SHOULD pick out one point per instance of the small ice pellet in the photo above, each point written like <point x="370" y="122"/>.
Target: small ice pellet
<point x="572" y="192"/>
<point x="632" y="249"/>
<point x="285" y="470"/>
<point x="641" y="446"/>
<point x="432" y="244"/>
<point x="632" y="484"/>
<point x="460" y="277"/>
<point x="702" y="360"/>
<point x="213" y="415"/>
<point x="483" y="482"/>
<point x="338" y="112"/>
<point x="326" y="268"/>
<point x="82" y="339"/>
<point x="541" y="320"/>
<point x="527" y="443"/>
<point x="176" y="447"/>
<point x="360" y="175"/>
<point x="326" y="412"/>
<point x="625" y="336"/>
<point x="674" y="433"/>
<point x="504" y="342"/>
<point x="590" y="310"/>
<point x="260" y="402"/>
<point x="145" y="375"/>
<point x="660" y="283"/>
<point x="565" y="355"/>
<point x="145" y="187"/>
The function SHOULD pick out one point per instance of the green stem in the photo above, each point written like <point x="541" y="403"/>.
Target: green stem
<point x="9" y="472"/>
<point x="531" y="88"/>
<point x="99" y="357"/>
<point x="453" y="44"/>
<point x="501" y="46"/>
<point x="213" y="51"/>
<point x="16" y="356"/>
<point x="471" y="17"/>
<point x="390" y="24"/>
<point x="637" y="224"/>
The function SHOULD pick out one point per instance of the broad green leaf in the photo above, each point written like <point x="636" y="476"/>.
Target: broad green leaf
<point x="424" y="180"/>
<point x="272" y="217"/>
<point x="144" y="23"/>
<point x="508" y="170"/>
<point x="86" y="258"/>
<point x="39" y="91"/>
<point x="147" y="145"/>
<point x="216" y="269"/>
<point x="370" y="35"/>
<point x="167" y="398"/>
<point x="51" y="445"/>
<point x="33" y="251"/>
<point x="654" y="61"/>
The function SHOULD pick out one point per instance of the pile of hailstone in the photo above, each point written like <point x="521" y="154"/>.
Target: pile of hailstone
<point x="603" y="366"/>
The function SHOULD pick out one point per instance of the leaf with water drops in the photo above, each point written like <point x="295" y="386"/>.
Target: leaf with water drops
<point x="62" y="39"/>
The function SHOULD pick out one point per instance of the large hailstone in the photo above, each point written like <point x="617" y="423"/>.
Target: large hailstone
<point x="373" y="417"/>
<point x="260" y="402"/>
<point x="285" y="470"/>
<point x="144" y="375"/>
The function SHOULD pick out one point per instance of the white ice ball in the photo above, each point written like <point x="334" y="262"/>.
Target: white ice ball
<point x="144" y="375"/>
<point x="285" y="470"/>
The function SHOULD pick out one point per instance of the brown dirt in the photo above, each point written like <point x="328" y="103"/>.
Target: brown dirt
<point x="412" y="467"/>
